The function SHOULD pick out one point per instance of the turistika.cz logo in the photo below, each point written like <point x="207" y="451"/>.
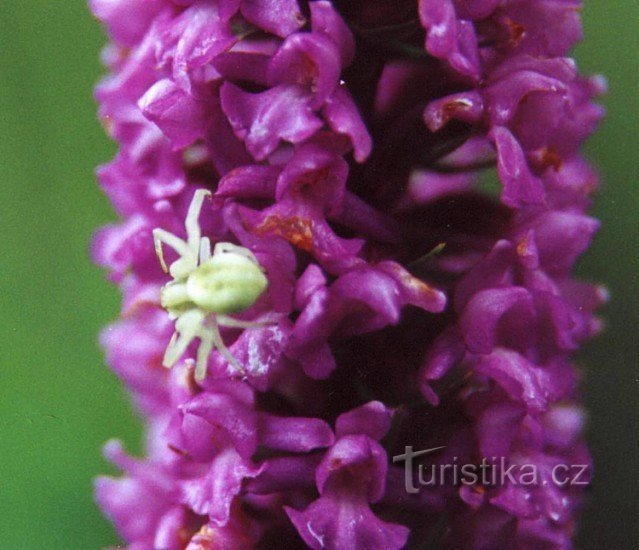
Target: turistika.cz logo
<point x="489" y="472"/>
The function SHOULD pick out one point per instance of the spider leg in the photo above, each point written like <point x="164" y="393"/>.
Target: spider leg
<point x="224" y="351"/>
<point x="187" y="328"/>
<point x="168" y="360"/>
<point x="205" y="249"/>
<point x="226" y="321"/>
<point x="221" y="248"/>
<point x="193" y="232"/>
<point x="203" y="352"/>
<point x="161" y="236"/>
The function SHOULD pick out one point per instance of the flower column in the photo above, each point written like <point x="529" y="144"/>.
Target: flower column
<point x="341" y="143"/>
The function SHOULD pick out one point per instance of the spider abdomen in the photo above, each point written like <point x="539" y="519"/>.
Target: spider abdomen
<point x="226" y="283"/>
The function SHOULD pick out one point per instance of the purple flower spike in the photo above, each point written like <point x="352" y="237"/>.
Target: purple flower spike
<point x="367" y="348"/>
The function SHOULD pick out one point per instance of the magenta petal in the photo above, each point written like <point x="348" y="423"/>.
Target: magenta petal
<point x="180" y="116"/>
<point x="298" y="435"/>
<point x="552" y="26"/>
<point x="372" y="419"/>
<point x="315" y="175"/>
<point x="197" y="437"/>
<point x="280" y="17"/>
<point x="318" y="362"/>
<point x="447" y="352"/>
<point x="345" y="522"/>
<point x="309" y="59"/>
<point x="415" y="291"/>
<point x="235" y="418"/>
<point x="193" y="39"/>
<point x="228" y="8"/>
<point x="145" y="489"/>
<point x="286" y="474"/>
<point x="497" y="427"/>
<point x="126" y="20"/>
<point x="480" y="320"/>
<point x="308" y="284"/>
<point x="242" y="66"/>
<point x="119" y="496"/>
<point x="520" y="378"/>
<point x="520" y="185"/>
<point x="476" y="9"/>
<point x="263" y="120"/>
<point x="118" y="247"/>
<point x="170" y="528"/>
<point x="506" y="95"/>
<point x="493" y="271"/>
<point x="439" y="19"/>
<point x="449" y="38"/>
<point x="562" y="237"/>
<point x="133" y="348"/>
<point x="249" y="182"/>
<point x="213" y="493"/>
<point x="343" y="117"/>
<point x="325" y="19"/>
<point x="467" y="107"/>
<point x="356" y="462"/>
<point x="563" y="425"/>
<point x="261" y="352"/>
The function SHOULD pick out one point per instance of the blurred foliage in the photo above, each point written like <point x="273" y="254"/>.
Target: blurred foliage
<point x="59" y="403"/>
<point x="611" y="382"/>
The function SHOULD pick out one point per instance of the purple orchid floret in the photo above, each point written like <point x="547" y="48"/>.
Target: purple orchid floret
<point x="307" y="240"/>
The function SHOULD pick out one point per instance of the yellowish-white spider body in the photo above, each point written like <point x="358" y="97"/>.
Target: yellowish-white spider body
<point x="206" y="288"/>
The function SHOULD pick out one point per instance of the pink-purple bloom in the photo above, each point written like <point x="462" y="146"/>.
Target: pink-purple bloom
<point x="343" y="142"/>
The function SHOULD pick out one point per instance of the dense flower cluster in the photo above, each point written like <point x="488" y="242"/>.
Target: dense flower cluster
<point x="343" y="142"/>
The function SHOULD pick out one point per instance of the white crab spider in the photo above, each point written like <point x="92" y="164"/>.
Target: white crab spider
<point x="205" y="289"/>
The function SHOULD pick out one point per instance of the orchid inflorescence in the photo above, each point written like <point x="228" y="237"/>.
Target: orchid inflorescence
<point x="353" y="287"/>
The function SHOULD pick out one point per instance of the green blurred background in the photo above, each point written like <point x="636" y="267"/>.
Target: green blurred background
<point x="59" y="403"/>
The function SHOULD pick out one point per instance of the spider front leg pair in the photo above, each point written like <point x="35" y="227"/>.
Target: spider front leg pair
<point x="196" y="249"/>
<point x="206" y="288"/>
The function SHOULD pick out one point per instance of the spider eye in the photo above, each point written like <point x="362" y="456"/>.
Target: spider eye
<point x="226" y="283"/>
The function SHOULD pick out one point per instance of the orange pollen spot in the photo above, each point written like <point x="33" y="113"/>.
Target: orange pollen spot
<point x="422" y="287"/>
<point x="298" y="231"/>
<point x="308" y="72"/>
<point x="550" y="158"/>
<point x="416" y="284"/>
<point x="516" y="32"/>
<point x="203" y="539"/>
<point x="451" y="108"/>
<point x="479" y="489"/>
<point x="522" y="247"/>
